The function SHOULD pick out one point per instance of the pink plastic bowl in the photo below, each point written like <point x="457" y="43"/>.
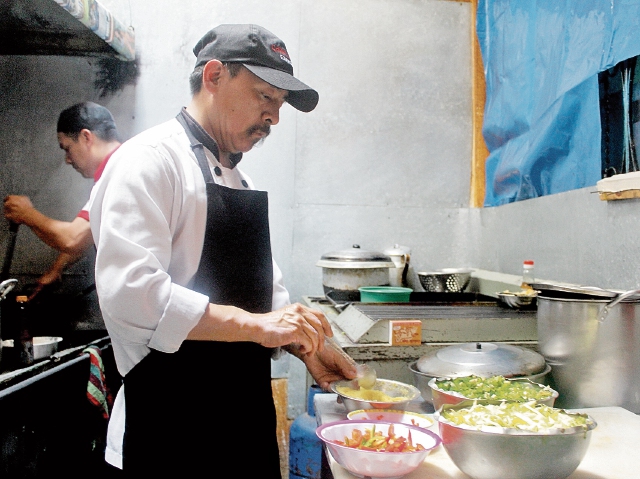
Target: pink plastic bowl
<point x="389" y="465"/>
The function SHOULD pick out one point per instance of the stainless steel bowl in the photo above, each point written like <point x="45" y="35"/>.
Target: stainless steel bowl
<point x="450" y="280"/>
<point x="394" y="389"/>
<point x="43" y="346"/>
<point x="553" y="454"/>
<point x="441" y="397"/>
<point x="421" y="380"/>
<point x="518" y="300"/>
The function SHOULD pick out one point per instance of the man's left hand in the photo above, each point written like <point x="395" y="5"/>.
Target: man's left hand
<point x="327" y="366"/>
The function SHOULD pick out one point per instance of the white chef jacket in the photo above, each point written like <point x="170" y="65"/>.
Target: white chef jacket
<point x="148" y="218"/>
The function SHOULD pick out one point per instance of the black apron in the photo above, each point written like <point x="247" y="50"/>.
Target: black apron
<point x="208" y="408"/>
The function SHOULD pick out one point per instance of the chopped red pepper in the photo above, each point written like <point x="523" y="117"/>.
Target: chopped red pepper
<point x="371" y="440"/>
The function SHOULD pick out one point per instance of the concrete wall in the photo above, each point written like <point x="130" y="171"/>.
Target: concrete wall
<point x="383" y="159"/>
<point x="385" y="152"/>
<point x="573" y="237"/>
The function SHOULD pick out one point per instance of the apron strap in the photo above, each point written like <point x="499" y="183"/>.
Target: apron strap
<point x="198" y="148"/>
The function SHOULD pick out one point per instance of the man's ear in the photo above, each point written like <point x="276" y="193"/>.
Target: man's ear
<point x="211" y="74"/>
<point x="86" y="135"/>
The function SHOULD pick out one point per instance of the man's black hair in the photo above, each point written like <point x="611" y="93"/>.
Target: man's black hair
<point x="90" y="116"/>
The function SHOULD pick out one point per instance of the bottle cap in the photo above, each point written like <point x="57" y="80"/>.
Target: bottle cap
<point x="22" y="299"/>
<point x="528" y="262"/>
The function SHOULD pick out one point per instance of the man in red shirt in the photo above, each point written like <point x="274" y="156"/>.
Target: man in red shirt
<point x="88" y="135"/>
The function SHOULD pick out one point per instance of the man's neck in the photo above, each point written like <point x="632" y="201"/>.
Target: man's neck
<point x="198" y="115"/>
<point x="104" y="149"/>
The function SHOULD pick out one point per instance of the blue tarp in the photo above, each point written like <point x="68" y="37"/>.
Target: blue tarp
<point x="542" y="115"/>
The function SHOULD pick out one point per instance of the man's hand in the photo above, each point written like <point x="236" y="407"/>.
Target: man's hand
<point x="54" y="273"/>
<point x="327" y="366"/>
<point x="292" y="325"/>
<point x="16" y="208"/>
<point x="295" y="324"/>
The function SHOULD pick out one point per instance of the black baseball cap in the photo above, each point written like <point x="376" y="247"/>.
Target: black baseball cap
<point x="262" y="53"/>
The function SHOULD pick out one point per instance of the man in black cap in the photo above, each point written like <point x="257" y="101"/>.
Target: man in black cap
<point x="193" y="301"/>
<point x="88" y="136"/>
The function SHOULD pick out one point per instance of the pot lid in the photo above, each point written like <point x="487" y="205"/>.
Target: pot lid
<point x="581" y="292"/>
<point x="481" y="359"/>
<point x="355" y="257"/>
<point x="570" y="289"/>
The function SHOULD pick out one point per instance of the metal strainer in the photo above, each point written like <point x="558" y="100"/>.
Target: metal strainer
<point x="449" y="280"/>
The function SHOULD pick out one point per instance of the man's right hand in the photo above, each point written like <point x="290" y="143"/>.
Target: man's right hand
<point x="294" y="324"/>
<point x="16" y="207"/>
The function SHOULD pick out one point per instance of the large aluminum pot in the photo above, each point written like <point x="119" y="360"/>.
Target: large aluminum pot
<point x="590" y="338"/>
<point x="480" y="359"/>
<point x="348" y="270"/>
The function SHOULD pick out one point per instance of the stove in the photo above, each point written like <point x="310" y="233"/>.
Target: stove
<point x="362" y="329"/>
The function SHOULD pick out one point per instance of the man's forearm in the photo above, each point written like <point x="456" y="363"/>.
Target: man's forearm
<point x="67" y="237"/>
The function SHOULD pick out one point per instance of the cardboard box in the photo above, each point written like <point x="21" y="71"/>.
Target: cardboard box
<point x="405" y="332"/>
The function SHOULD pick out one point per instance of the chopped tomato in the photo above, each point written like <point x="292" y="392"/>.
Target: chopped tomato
<point x="372" y="440"/>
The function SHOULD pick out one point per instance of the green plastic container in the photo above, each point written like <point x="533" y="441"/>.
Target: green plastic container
<point x="384" y="294"/>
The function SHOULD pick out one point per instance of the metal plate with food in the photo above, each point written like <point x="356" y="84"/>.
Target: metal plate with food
<point x="393" y="415"/>
<point x="385" y="394"/>
<point x="525" y="298"/>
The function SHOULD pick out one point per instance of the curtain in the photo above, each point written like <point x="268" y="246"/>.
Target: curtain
<point x="542" y="115"/>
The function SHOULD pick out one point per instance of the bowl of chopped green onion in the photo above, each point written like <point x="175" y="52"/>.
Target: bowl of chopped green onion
<point x="504" y="440"/>
<point x="494" y="388"/>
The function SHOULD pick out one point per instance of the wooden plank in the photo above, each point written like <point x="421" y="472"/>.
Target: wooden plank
<point x="279" y="392"/>
<point x="479" y="152"/>
<point x="619" y="195"/>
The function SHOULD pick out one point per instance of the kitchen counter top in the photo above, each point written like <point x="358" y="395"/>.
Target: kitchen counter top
<point x="612" y="453"/>
<point x="14" y="377"/>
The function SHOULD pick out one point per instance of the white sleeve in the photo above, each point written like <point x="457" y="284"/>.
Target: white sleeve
<point x="139" y="217"/>
<point x="280" y="293"/>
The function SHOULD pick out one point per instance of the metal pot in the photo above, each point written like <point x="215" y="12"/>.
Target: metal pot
<point x="400" y="255"/>
<point x="590" y="338"/>
<point x="348" y="270"/>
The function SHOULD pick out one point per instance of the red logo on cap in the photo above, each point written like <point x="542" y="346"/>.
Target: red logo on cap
<point x="280" y="50"/>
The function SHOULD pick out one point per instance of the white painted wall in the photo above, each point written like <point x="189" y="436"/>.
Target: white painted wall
<point x="394" y="84"/>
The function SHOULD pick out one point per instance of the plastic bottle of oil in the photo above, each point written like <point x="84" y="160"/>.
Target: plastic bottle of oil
<point x="527" y="274"/>
<point x="24" y="340"/>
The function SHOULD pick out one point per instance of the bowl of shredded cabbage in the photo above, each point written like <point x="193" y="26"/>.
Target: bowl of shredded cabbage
<point x="494" y="388"/>
<point x="385" y="394"/>
<point x="504" y="440"/>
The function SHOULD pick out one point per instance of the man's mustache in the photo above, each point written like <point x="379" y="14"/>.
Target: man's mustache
<point x="266" y="129"/>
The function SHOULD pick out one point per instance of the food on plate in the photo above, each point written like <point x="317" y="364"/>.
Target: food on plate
<point x="495" y="387"/>
<point x="529" y="416"/>
<point x="368" y="394"/>
<point x="524" y="292"/>
<point x="372" y="440"/>
<point x="392" y="415"/>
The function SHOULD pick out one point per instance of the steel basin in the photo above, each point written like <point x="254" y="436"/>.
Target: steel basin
<point x="594" y="362"/>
